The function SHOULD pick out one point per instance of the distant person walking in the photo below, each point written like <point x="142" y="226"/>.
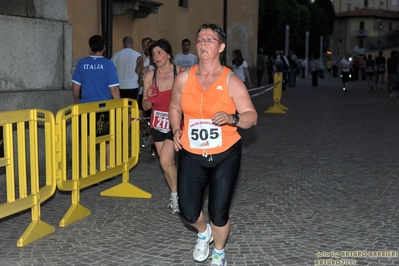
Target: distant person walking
<point x="380" y="63"/>
<point x="369" y="71"/>
<point x="335" y="67"/>
<point x="293" y="62"/>
<point x="260" y="65"/>
<point x="346" y="69"/>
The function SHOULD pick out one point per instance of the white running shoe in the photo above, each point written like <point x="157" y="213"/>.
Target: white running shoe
<point x="218" y="260"/>
<point x="174" y="205"/>
<point x="201" y="249"/>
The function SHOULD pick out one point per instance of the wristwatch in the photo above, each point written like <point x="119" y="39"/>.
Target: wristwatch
<point x="236" y="118"/>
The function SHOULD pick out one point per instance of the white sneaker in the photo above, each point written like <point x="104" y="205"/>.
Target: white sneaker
<point x="174" y="205"/>
<point x="218" y="260"/>
<point x="201" y="249"/>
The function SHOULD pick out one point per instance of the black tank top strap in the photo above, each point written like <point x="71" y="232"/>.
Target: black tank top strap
<point x="174" y="71"/>
<point x="154" y="78"/>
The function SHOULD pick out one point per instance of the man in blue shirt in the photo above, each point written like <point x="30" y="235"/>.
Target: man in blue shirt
<point x="96" y="75"/>
<point x="95" y="79"/>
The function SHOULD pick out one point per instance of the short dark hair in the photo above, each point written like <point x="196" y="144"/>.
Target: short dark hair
<point x="185" y="40"/>
<point x="164" y="45"/>
<point x="216" y="29"/>
<point x="96" y="43"/>
<point x="127" y="40"/>
<point x="145" y="39"/>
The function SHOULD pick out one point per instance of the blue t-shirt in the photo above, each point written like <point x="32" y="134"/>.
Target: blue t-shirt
<point x="95" y="74"/>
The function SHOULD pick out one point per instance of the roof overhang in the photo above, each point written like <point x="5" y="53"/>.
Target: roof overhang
<point x="141" y="8"/>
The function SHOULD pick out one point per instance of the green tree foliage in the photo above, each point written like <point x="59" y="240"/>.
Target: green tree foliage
<point x="301" y="15"/>
<point x="328" y="9"/>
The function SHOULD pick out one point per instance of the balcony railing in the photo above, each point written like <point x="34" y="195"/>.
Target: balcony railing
<point x="361" y="33"/>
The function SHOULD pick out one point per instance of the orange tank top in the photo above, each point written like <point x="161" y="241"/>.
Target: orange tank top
<point x="198" y="107"/>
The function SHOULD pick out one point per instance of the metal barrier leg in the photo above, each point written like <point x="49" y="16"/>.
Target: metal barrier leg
<point x="126" y="189"/>
<point x="36" y="230"/>
<point x="75" y="212"/>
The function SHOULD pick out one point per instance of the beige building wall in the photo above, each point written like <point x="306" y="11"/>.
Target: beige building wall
<point x="172" y="22"/>
<point x="85" y="18"/>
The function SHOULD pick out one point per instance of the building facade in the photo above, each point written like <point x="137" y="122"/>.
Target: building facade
<point x="365" y="27"/>
<point x="173" y="20"/>
<point x="42" y="40"/>
<point x="347" y="5"/>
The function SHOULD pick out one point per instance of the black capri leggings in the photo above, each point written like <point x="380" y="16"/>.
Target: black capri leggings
<point x="196" y="172"/>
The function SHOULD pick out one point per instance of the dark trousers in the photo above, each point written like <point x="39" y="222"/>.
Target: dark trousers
<point x="314" y="78"/>
<point x="260" y="76"/>
<point x="335" y="71"/>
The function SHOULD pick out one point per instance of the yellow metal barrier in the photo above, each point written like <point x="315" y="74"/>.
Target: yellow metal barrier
<point x="1" y="143"/>
<point x="22" y="167"/>
<point x="277" y="108"/>
<point x="89" y="167"/>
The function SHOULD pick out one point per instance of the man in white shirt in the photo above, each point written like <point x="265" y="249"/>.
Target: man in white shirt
<point x="125" y="62"/>
<point x="185" y="58"/>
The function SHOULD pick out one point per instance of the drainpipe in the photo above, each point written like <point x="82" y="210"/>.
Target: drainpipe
<point x="106" y="25"/>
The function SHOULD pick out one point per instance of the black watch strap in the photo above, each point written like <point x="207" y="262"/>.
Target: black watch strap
<point x="236" y="119"/>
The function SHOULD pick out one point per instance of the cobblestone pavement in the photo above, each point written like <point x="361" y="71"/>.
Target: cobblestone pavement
<point x="317" y="181"/>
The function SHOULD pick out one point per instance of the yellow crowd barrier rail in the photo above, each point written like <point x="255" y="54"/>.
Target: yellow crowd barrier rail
<point x="277" y="108"/>
<point x="119" y="136"/>
<point x="24" y="133"/>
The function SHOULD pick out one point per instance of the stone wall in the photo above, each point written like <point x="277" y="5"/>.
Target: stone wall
<point x="36" y="55"/>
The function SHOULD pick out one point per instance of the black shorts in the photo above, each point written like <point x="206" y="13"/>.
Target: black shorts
<point x="129" y="93"/>
<point x="345" y="76"/>
<point x="158" y="136"/>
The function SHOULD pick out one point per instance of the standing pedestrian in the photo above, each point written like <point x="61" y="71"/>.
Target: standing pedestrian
<point x="369" y="71"/>
<point x="260" y="65"/>
<point x="314" y="69"/>
<point x="380" y="73"/>
<point x="240" y="67"/>
<point x="293" y="62"/>
<point x="185" y="58"/>
<point x="304" y="62"/>
<point x="126" y="61"/>
<point x="270" y="68"/>
<point x="329" y="67"/>
<point x="392" y="65"/>
<point x="95" y="79"/>
<point x="335" y="67"/>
